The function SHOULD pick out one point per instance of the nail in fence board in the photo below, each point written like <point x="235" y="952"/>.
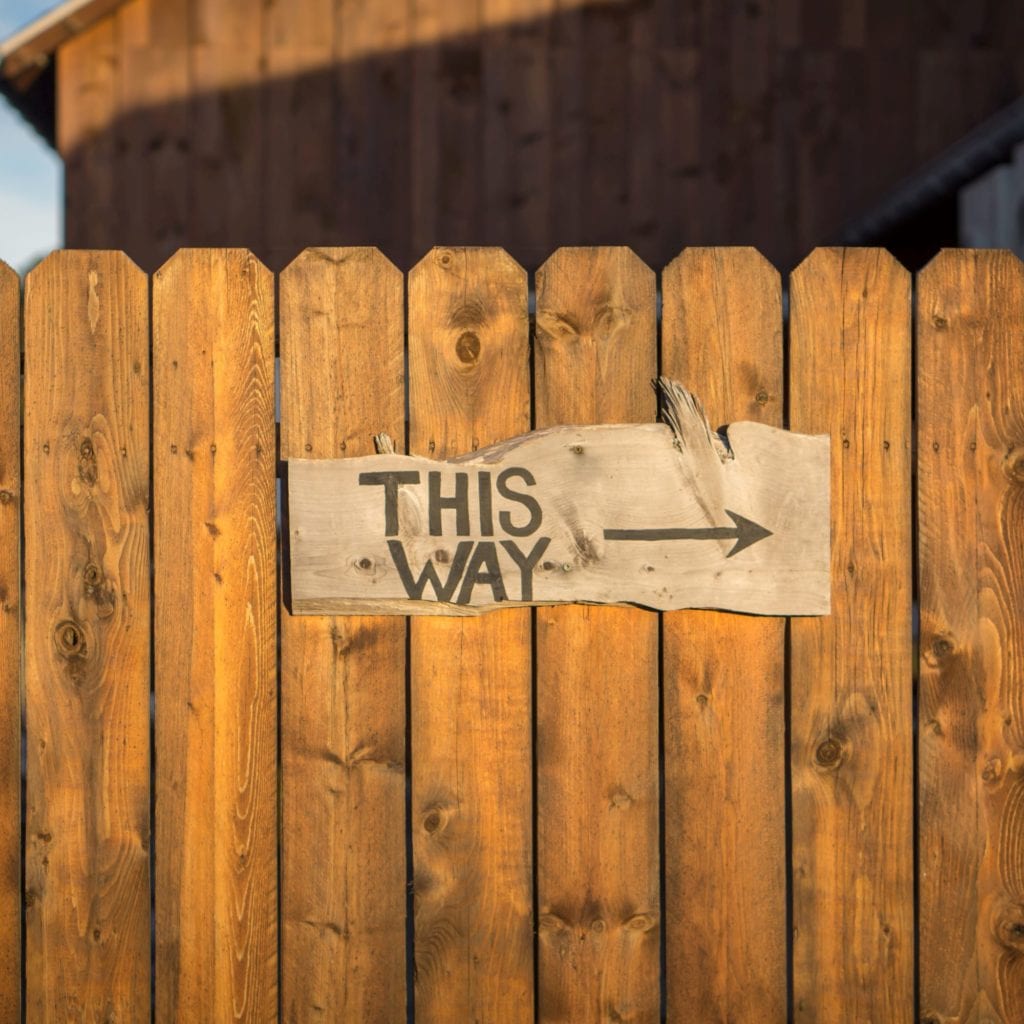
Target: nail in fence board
<point x="851" y="673"/>
<point x="215" y="615"/>
<point x="87" y="640"/>
<point x="971" y="738"/>
<point x="343" y="903"/>
<point x="724" y="724"/>
<point x="597" y="678"/>
<point x="471" y="823"/>
<point x="10" y="644"/>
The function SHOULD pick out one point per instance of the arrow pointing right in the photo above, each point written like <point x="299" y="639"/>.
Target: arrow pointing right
<point x="745" y="533"/>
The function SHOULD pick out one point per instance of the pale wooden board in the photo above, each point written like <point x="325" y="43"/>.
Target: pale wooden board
<point x="470" y="679"/>
<point x="598" y="888"/>
<point x="10" y="643"/>
<point x="971" y="737"/>
<point x="724" y="717"/>
<point x="851" y="673"/>
<point x="545" y="510"/>
<point x="343" y="871"/>
<point x="87" y="639"/>
<point x="215" y="637"/>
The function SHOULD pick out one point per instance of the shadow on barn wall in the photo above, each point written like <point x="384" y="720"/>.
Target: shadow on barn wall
<point x="647" y="123"/>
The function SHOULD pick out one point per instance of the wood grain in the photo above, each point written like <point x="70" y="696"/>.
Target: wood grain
<point x="215" y="636"/>
<point x="87" y="99"/>
<point x="470" y="678"/>
<point x="10" y="643"/>
<point x="87" y="639"/>
<point x="724" y="716"/>
<point x="343" y="904"/>
<point x="971" y="738"/>
<point x="597" y="678"/>
<point x="851" y="673"/>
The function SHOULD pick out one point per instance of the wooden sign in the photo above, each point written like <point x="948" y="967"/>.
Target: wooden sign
<point x="664" y="515"/>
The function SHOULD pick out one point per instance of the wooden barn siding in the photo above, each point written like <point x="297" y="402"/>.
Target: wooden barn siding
<point x="276" y="125"/>
<point x="571" y="934"/>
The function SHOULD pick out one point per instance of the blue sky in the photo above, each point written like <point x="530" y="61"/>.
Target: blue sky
<point x="30" y="173"/>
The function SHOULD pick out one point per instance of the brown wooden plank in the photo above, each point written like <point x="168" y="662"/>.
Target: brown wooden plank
<point x="598" y="893"/>
<point x="216" y="673"/>
<point x="343" y="903"/>
<point x="971" y="739"/>
<point x="851" y="673"/>
<point x="10" y="643"/>
<point x="470" y="678"/>
<point x="227" y="125"/>
<point x="87" y="89"/>
<point x="300" y="110"/>
<point x="151" y="130"/>
<point x="724" y="718"/>
<point x="87" y="639"/>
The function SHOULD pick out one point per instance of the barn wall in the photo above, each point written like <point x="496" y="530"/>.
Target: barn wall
<point x="525" y="123"/>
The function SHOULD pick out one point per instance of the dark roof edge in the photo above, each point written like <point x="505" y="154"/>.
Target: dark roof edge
<point x="983" y="147"/>
<point x="26" y="59"/>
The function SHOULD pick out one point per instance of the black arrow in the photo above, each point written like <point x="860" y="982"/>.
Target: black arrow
<point x="744" y="533"/>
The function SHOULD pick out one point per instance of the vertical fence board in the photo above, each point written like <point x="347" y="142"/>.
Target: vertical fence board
<point x="471" y="678"/>
<point x="343" y="903"/>
<point x="87" y="658"/>
<point x="851" y="673"/>
<point x="10" y="644"/>
<point x="724" y="724"/>
<point x="597" y="678"/>
<point x="216" y="714"/>
<point x="971" y="738"/>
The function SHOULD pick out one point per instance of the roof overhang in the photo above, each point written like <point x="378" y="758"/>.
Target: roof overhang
<point x="26" y="59"/>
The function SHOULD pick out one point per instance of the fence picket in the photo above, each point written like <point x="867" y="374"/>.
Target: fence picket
<point x="851" y="673"/>
<point x="87" y="638"/>
<point x="724" y="724"/>
<point x="215" y="636"/>
<point x="470" y="691"/>
<point x="971" y="737"/>
<point x="10" y="644"/>
<point x="598" y="889"/>
<point x="343" y="904"/>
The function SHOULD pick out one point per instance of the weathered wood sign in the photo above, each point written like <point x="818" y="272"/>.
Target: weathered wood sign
<point x="664" y="515"/>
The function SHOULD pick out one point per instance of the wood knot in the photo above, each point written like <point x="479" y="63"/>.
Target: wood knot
<point x="939" y="651"/>
<point x="1013" y="464"/>
<point x="432" y="822"/>
<point x="92" y="575"/>
<point x="993" y="770"/>
<point x="940" y="323"/>
<point x="6" y="497"/>
<point x="762" y="397"/>
<point x="829" y="753"/>
<point x="467" y="348"/>
<point x="87" y="471"/>
<point x="69" y="639"/>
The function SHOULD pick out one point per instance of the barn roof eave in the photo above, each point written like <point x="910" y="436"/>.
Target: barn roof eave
<point x="26" y="58"/>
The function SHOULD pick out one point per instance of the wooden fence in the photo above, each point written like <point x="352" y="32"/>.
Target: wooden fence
<point x="574" y="814"/>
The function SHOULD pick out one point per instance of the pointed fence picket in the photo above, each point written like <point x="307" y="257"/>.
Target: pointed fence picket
<point x="569" y="814"/>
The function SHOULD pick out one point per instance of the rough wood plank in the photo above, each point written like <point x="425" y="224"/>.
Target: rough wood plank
<point x="87" y="639"/>
<point x="851" y="673"/>
<point x="87" y="88"/>
<point x="216" y="673"/>
<point x="151" y="130"/>
<point x="597" y="679"/>
<point x="343" y="903"/>
<point x="724" y="724"/>
<point x="971" y="738"/>
<point x="10" y="643"/>
<point x="661" y="515"/>
<point x="470" y="678"/>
